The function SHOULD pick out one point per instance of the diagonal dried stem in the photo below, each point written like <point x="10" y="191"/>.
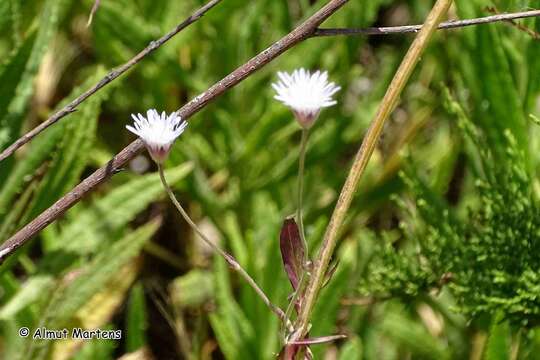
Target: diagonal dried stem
<point x="362" y="157"/>
<point x="303" y="31"/>
<point x="113" y="74"/>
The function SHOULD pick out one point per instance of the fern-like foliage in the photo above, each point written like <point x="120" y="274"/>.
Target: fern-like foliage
<point x="488" y="258"/>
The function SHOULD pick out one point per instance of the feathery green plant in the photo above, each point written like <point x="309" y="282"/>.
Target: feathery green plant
<point x="488" y="256"/>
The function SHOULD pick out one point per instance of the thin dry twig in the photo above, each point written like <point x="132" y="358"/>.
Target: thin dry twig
<point x="535" y="35"/>
<point x="361" y="159"/>
<point x="390" y="30"/>
<point x="113" y="74"/>
<point x="300" y="33"/>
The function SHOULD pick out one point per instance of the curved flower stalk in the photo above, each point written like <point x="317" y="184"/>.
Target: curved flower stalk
<point x="158" y="132"/>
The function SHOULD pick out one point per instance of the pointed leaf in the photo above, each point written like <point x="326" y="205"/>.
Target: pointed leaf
<point x="136" y="321"/>
<point x="82" y="284"/>
<point x="13" y="107"/>
<point x="72" y="152"/>
<point x="100" y="270"/>
<point x="32" y="290"/>
<point x="318" y="340"/>
<point x="41" y="149"/>
<point x="292" y="251"/>
<point x="330" y="272"/>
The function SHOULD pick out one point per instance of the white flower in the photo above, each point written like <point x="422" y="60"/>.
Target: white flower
<point x="305" y="93"/>
<point x="158" y="132"/>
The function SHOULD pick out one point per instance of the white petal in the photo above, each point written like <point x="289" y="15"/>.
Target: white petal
<point x="130" y="128"/>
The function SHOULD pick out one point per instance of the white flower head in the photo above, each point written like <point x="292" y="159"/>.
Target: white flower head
<point x="305" y="93"/>
<point x="158" y="132"/>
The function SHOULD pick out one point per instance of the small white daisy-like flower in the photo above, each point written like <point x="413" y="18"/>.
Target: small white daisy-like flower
<point x="158" y="132"/>
<point x="305" y="93"/>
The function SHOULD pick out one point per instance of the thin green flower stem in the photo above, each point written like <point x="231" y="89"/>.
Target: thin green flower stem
<point x="301" y="286"/>
<point x="360" y="162"/>
<point x="228" y="258"/>
<point x="300" y="220"/>
<point x="301" y="165"/>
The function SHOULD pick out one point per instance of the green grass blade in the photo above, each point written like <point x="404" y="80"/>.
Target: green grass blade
<point x="13" y="107"/>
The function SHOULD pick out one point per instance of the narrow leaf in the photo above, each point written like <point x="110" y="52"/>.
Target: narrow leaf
<point x="72" y="152"/>
<point x="94" y="276"/>
<point x="79" y="288"/>
<point x="330" y="272"/>
<point x="33" y="290"/>
<point x="136" y="322"/>
<point x="318" y="340"/>
<point x="16" y="104"/>
<point x="41" y="149"/>
<point x="292" y="251"/>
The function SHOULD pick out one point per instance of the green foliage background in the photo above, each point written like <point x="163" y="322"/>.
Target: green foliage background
<point x="438" y="258"/>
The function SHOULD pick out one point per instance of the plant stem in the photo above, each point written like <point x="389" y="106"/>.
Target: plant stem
<point x="361" y="159"/>
<point x="301" y="165"/>
<point x="299" y="219"/>
<point x="228" y="258"/>
<point x="299" y="289"/>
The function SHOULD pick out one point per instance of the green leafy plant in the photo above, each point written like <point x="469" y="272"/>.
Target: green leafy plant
<point x="448" y="273"/>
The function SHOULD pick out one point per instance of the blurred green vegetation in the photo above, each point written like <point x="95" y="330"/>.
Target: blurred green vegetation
<point x="438" y="258"/>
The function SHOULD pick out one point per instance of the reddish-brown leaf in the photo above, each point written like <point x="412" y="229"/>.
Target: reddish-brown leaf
<point x="292" y="251"/>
